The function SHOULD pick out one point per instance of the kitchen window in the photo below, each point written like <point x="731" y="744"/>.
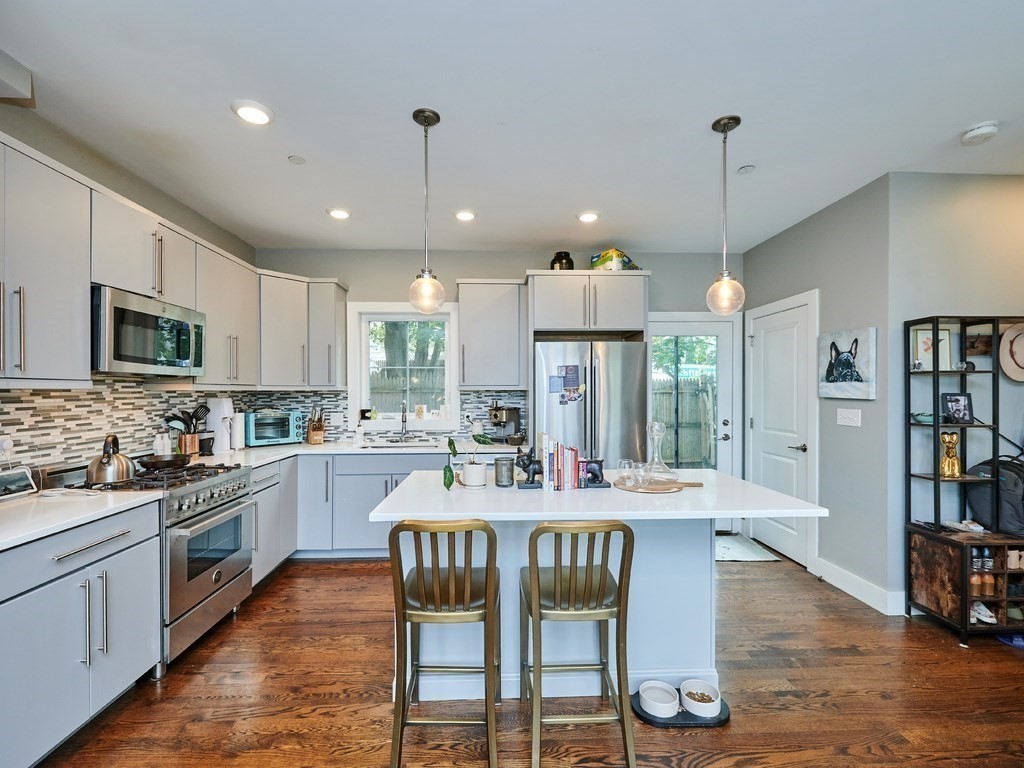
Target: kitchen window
<point x="397" y="355"/>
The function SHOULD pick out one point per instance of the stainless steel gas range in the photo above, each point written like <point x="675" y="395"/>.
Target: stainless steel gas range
<point x="206" y="545"/>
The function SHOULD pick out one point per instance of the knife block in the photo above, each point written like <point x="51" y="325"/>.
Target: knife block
<point x="315" y="436"/>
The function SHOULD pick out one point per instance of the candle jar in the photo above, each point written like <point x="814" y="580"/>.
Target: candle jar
<point x="504" y="471"/>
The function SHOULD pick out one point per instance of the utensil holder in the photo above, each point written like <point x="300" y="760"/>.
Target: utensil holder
<point x="315" y="436"/>
<point x="188" y="444"/>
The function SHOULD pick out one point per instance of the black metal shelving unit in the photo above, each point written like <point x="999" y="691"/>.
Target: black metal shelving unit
<point x="938" y="559"/>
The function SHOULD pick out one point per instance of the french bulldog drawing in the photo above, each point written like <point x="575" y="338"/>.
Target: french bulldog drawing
<point x="842" y="366"/>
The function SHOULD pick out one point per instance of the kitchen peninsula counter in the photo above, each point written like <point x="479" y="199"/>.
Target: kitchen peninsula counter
<point x="671" y="603"/>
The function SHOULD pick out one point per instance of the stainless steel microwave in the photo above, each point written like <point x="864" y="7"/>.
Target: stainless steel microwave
<point x="138" y="334"/>
<point x="273" y="427"/>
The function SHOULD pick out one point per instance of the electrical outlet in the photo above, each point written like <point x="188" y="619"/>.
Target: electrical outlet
<point x="848" y="417"/>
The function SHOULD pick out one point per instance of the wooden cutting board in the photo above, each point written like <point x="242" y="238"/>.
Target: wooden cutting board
<point x="659" y="486"/>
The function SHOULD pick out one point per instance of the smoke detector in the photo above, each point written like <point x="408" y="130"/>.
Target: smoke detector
<point x="979" y="134"/>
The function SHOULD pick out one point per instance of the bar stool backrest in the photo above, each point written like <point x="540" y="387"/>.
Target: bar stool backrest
<point x="584" y="550"/>
<point x="444" y="574"/>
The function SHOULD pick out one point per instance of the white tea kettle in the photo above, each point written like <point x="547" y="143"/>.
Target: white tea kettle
<point x="110" y="467"/>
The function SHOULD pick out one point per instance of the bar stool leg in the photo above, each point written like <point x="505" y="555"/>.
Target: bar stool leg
<point x="537" y="695"/>
<point x="497" y="651"/>
<point x="602" y="640"/>
<point x="414" y="653"/>
<point x="490" y="686"/>
<point x="400" y="683"/>
<point x="524" y="646"/>
<point x="625" y="708"/>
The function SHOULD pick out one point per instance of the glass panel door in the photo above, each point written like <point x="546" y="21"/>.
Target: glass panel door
<point x="684" y="388"/>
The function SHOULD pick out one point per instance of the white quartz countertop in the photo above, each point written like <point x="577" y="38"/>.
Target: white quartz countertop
<point x="422" y="496"/>
<point x="37" y="516"/>
<point x="257" y="457"/>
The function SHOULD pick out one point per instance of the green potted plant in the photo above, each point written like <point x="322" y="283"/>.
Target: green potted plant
<point x="449" y="471"/>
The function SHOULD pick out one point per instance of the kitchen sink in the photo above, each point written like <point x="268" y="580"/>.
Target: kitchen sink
<point x="409" y="445"/>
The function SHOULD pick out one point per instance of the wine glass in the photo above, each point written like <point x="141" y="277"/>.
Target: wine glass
<point x="627" y="472"/>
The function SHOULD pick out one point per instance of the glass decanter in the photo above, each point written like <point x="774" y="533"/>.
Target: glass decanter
<point x="657" y="470"/>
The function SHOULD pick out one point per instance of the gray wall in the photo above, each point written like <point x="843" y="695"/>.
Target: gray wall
<point x="26" y="126"/>
<point x="679" y="282"/>
<point x="842" y="251"/>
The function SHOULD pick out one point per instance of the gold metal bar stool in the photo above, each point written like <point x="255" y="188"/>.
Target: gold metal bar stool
<point x="444" y="587"/>
<point x="578" y="587"/>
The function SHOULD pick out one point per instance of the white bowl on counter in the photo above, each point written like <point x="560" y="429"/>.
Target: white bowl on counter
<point x="701" y="709"/>
<point x="659" y="699"/>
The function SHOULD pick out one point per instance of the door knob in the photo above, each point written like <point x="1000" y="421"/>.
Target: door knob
<point x="802" y="447"/>
<point x="725" y="437"/>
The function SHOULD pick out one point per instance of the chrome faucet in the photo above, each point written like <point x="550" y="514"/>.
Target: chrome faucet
<point x="405" y="422"/>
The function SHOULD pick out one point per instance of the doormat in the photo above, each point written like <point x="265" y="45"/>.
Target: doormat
<point x="737" y="547"/>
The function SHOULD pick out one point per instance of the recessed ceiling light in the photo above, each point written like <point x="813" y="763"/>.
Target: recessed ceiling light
<point x="252" y="111"/>
<point x="587" y="217"/>
<point x="338" y="213"/>
<point x="465" y="215"/>
<point x="745" y="169"/>
<point x="296" y="159"/>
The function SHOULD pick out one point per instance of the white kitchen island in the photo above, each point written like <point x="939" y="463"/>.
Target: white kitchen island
<point x="671" y="618"/>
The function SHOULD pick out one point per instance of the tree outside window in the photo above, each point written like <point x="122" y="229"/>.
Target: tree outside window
<point x="407" y="362"/>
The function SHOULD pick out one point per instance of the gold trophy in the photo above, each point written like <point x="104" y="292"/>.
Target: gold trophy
<point x="950" y="464"/>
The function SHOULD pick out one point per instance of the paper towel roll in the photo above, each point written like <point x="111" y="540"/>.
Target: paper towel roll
<point x="218" y="422"/>
<point x="237" y="431"/>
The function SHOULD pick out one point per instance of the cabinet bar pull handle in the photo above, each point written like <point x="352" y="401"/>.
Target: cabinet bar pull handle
<point x="160" y="265"/>
<point x="3" y="317"/>
<point x="87" y="586"/>
<point x="156" y="263"/>
<point x="105" y="648"/>
<point x="236" y="357"/>
<point x="330" y="364"/>
<point x="20" y="290"/>
<point x="256" y="526"/>
<point x="111" y="537"/>
<point x="303" y="363"/>
<point x="586" y="305"/>
<point x="327" y="481"/>
<point x="462" y="364"/>
<point x="230" y="358"/>
<point x="593" y="308"/>
<point x="387" y="490"/>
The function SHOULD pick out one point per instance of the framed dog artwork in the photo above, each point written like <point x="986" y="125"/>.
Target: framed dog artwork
<point x="848" y="364"/>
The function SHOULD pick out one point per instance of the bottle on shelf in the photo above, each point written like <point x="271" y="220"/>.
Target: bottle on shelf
<point x="988" y="585"/>
<point x="975" y="585"/>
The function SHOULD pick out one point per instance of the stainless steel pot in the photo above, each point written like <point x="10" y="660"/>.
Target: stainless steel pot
<point x="111" y="466"/>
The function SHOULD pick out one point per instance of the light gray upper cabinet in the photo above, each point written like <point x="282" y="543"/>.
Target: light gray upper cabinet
<point x="582" y="301"/>
<point x="491" y="337"/>
<point x="326" y="335"/>
<point x="284" y="331"/>
<point x="44" y="274"/>
<point x="176" y="268"/>
<point x="228" y="292"/>
<point x="124" y="246"/>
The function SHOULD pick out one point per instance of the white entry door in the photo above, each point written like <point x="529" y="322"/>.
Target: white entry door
<point x="695" y="362"/>
<point x="782" y="413"/>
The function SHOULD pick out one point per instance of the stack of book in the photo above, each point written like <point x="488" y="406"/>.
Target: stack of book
<point x="564" y="469"/>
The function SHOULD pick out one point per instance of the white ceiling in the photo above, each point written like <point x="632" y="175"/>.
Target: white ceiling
<point x="547" y="109"/>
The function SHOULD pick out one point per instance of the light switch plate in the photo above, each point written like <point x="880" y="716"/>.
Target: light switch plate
<point x="848" y="417"/>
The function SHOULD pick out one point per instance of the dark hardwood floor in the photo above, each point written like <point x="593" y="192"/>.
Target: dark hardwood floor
<point x="301" y="679"/>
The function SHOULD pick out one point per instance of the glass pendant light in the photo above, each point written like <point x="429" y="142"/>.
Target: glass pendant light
<point x="426" y="293"/>
<point x="726" y="295"/>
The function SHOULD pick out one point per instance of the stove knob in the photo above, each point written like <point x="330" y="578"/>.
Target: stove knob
<point x="183" y="505"/>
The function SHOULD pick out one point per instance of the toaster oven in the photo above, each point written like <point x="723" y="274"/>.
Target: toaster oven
<point x="272" y="427"/>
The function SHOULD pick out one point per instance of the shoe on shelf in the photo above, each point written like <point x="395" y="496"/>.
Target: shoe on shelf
<point x="980" y="612"/>
<point x="1014" y="612"/>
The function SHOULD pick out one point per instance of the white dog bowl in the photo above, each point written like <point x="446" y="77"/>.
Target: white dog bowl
<point x="701" y="709"/>
<point x="659" y="699"/>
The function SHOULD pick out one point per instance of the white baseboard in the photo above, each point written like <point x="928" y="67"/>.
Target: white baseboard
<point x="883" y="601"/>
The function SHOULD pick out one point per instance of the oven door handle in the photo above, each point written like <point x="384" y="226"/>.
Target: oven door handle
<point x="213" y="522"/>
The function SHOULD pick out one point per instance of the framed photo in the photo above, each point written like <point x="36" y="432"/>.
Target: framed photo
<point x="923" y="345"/>
<point x="847" y="363"/>
<point x="956" y="408"/>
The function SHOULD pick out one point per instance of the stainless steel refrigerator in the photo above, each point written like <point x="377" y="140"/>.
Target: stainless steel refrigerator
<point x="592" y="395"/>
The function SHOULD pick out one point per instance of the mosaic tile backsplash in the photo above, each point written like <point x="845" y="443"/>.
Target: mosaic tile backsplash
<point x="67" y="427"/>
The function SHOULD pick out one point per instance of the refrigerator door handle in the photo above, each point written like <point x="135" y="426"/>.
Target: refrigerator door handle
<point x="587" y="405"/>
<point x="596" y="401"/>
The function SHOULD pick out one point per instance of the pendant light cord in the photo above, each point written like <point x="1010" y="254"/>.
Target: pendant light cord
<point x="426" y="200"/>
<point x="725" y="203"/>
